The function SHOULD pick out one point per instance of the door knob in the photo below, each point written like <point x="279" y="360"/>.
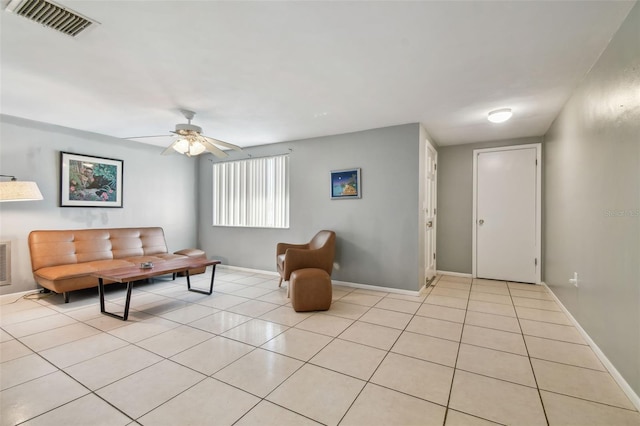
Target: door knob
<point x="481" y="221"/>
<point x="430" y="224"/>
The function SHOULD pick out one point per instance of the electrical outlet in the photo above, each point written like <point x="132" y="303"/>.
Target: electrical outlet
<point x="574" y="280"/>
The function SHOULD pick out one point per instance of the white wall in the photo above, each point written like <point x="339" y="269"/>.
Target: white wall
<point x="377" y="235"/>
<point x="158" y="190"/>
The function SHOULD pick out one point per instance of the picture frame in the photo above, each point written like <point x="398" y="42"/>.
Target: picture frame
<point x="346" y="184"/>
<point x="89" y="181"/>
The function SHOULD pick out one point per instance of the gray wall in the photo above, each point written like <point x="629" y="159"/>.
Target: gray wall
<point x="455" y="203"/>
<point x="158" y="190"/>
<point x="377" y="235"/>
<point x="592" y="222"/>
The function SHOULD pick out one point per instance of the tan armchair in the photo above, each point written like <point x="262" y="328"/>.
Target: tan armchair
<point x="317" y="253"/>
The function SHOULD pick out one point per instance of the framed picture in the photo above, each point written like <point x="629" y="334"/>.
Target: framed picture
<point x="87" y="181"/>
<point x="345" y="184"/>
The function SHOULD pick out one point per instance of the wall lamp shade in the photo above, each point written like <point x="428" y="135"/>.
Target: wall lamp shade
<point x="500" y="115"/>
<point x="15" y="190"/>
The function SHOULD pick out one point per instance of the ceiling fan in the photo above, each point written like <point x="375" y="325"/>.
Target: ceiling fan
<point x="190" y="141"/>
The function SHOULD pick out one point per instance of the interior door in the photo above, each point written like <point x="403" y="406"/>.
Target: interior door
<point x="507" y="213"/>
<point x="431" y="185"/>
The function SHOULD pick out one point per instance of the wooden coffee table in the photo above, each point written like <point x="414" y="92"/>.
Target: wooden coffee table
<point x="131" y="274"/>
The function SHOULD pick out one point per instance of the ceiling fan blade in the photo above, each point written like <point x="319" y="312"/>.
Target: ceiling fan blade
<point x="169" y="149"/>
<point x="212" y="148"/>
<point x="224" y="144"/>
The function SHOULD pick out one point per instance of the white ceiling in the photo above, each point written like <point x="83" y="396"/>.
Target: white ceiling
<point x="263" y="72"/>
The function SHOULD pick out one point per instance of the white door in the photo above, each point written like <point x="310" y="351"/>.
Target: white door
<point x="507" y="213"/>
<point x="431" y="185"/>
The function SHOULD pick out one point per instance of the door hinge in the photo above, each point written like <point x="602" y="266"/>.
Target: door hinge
<point x="435" y="167"/>
<point x="535" y="261"/>
<point x="434" y="256"/>
<point x="536" y="161"/>
<point x="434" y="211"/>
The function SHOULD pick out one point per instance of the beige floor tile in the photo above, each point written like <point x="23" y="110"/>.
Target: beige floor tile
<point x="23" y="312"/>
<point x="25" y="401"/>
<point x="143" y="391"/>
<point x="452" y="285"/>
<point x="496" y="364"/>
<point x="491" y="308"/>
<point x="437" y="328"/>
<point x="227" y="287"/>
<point x="338" y="294"/>
<point x="543" y="295"/>
<point x="454" y="278"/>
<point x="565" y="333"/>
<point x="175" y="340"/>
<point x="565" y="410"/>
<point x="361" y="299"/>
<point x="4" y="336"/>
<point x="496" y="400"/>
<point x="492" y="298"/>
<point x="212" y="355"/>
<point x="253" y="308"/>
<point x="371" y="335"/>
<point x="81" y="350"/>
<point x="207" y="403"/>
<point x="255" y="332"/>
<point x="88" y="410"/>
<point x="526" y="286"/>
<point x="299" y="344"/>
<point x="580" y="382"/>
<point x="347" y="310"/>
<point x="494" y="339"/>
<point x="352" y="359"/>
<point x="409" y="298"/>
<point x="370" y="292"/>
<point x="58" y="336"/>
<point x="268" y="414"/>
<point x="141" y="330"/>
<point x="456" y="418"/>
<point x="189" y="313"/>
<point x="259" y="372"/>
<point x="386" y="318"/>
<point x="156" y="308"/>
<point x="398" y="305"/>
<point x="527" y="302"/>
<point x="100" y="371"/>
<point x="278" y="297"/>
<point x="490" y="289"/>
<point x="415" y="377"/>
<point x="490" y="283"/>
<point x="34" y="326"/>
<point x="221" y="300"/>
<point x="563" y="352"/>
<point x="379" y="406"/>
<point x="12" y="349"/>
<point x="220" y="322"/>
<point x="427" y="348"/>
<point x="441" y="312"/>
<point x="318" y="393"/>
<point x="325" y="324"/>
<point x="448" y="301"/>
<point x="285" y="315"/>
<point x="23" y="369"/>
<point x="450" y="292"/>
<point x="498" y="322"/>
<point x="252" y="292"/>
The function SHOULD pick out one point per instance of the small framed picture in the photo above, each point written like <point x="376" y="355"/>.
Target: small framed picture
<point x="87" y="181"/>
<point x="345" y="184"/>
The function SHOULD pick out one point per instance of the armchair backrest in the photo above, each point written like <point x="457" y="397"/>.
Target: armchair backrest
<point x="318" y="253"/>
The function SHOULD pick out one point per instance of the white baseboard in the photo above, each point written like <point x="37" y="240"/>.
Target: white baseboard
<point x="455" y="274"/>
<point x="343" y="283"/>
<point x="633" y="397"/>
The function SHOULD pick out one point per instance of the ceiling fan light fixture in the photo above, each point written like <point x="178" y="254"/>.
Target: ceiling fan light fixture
<point x="182" y="146"/>
<point x="500" y="115"/>
<point x="196" y="148"/>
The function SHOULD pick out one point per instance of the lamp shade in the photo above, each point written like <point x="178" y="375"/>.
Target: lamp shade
<point x="19" y="191"/>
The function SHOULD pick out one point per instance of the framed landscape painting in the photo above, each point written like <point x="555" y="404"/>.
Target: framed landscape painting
<point x="87" y="181"/>
<point x="345" y="184"/>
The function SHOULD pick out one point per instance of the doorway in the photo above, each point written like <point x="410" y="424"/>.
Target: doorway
<point x="507" y="213"/>
<point x="430" y="210"/>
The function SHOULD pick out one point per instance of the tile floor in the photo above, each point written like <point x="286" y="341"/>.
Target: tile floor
<point x="463" y="353"/>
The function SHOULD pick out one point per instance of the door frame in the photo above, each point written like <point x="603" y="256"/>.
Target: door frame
<point x="474" y="247"/>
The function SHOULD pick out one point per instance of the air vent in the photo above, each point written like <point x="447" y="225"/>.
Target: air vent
<point x="51" y="15"/>
<point x="5" y="262"/>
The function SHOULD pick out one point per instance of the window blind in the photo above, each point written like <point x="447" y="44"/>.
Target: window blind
<point x="252" y="193"/>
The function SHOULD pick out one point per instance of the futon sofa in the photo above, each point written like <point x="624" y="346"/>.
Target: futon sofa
<point x="63" y="261"/>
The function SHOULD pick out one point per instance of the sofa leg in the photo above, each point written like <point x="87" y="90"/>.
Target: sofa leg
<point x="66" y="296"/>
<point x="280" y="282"/>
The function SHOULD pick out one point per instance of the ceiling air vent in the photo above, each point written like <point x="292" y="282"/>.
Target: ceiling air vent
<point x="51" y="15"/>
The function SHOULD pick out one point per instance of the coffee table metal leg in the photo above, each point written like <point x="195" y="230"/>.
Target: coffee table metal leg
<point x="126" y="306"/>
<point x="213" y="273"/>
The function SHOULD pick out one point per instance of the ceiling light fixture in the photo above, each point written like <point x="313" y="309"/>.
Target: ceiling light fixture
<point x="15" y="190"/>
<point x="500" y="115"/>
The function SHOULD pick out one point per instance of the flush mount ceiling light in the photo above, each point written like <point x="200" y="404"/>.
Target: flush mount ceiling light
<point x="500" y="115"/>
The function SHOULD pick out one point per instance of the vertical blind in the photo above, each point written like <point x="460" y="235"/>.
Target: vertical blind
<point x="252" y="193"/>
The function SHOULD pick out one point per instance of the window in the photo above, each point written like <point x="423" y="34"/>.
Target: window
<point x="252" y="193"/>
